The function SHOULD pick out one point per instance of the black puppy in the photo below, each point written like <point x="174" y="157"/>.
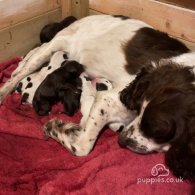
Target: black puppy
<point x="61" y="85"/>
<point x="50" y="30"/>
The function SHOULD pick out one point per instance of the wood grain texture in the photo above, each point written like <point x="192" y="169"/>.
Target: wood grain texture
<point x="176" y="21"/>
<point x="66" y="8"/>
<point x="15" y="11"/>
<point x="76" y="8"/>
<point x="93" y="12"/>
<point x="190" y="4"/>
<point x="17" y="40"/>
<point x="80" y="8"/>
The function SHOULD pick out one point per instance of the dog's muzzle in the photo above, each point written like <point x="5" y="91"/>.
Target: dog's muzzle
<point x="126" y="142"/>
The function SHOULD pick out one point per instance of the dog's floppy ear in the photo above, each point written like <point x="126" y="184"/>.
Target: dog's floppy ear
<point x="181" y="160"/>
<point x="181" y="156"/>
<point x="132" y="95"/>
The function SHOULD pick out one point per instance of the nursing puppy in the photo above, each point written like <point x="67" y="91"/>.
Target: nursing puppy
<point x="29" y="84"/>
<point x="61" y="85"/>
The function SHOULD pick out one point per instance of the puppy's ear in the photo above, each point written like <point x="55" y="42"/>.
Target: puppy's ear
<point x="132" y="95"/>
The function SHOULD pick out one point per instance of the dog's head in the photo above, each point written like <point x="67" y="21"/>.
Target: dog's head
<point x="164" y="98"/>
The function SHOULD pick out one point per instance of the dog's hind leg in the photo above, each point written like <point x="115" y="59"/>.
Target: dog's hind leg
<point x="23" y="62"/>
<point x="34" y="62"/>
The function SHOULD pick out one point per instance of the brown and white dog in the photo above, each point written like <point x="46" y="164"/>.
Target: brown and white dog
<point x="118" y="48"/>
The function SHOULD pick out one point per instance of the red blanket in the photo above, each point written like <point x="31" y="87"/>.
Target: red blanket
<point x="31" y="165"/>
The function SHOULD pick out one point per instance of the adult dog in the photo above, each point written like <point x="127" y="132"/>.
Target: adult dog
<point x="117" y="48"/>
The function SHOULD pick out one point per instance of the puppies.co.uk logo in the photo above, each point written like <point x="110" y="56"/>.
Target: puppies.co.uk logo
<point x="159" y="170"/>
<point x="159" y="173"/>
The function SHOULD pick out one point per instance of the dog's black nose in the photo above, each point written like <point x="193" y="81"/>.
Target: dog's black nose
<point x="122" y="139"/>
<point x="127" y="142"/>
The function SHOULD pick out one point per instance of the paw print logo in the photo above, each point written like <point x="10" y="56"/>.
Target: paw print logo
<point x="159" y="170"/>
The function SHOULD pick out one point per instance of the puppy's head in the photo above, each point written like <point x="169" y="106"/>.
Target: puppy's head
<point x="49" y="31"/>
<point x="164" y="98"/>
<point x="71" y="70"/>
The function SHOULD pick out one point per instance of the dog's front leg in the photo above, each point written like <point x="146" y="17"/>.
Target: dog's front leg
<point x="78" y="140"/>
<point x="34" y="62"/>
<point x="87" y="98"/>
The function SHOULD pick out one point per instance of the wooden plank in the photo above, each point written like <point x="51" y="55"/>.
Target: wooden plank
<point x="189" y="4"/>
<point x="76" y="8"/>
<point x="190" y="45"/>
<point x="66" y="8"/>
<point x="15" y="11"/>
<point x="94" y="12"/>
<point x="80" y="8"/>
<point x="176" y="21"/>
<point x="19" y="39"/>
